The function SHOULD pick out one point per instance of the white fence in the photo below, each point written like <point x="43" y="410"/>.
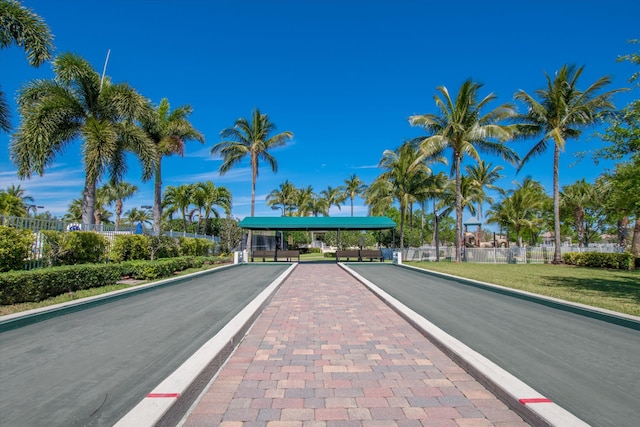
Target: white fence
<point x="512" y="255"/>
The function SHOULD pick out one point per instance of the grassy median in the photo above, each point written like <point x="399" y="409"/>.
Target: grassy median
<point x="611" y="289"/>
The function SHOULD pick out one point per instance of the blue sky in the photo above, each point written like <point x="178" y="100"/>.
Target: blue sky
<point x="343" y="76"/>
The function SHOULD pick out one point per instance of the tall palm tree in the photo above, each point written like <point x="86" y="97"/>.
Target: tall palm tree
<point x="305" y="200"/>
<point x="354" y="186"/>
<point x="379" y="196"/>
<point x="22" y="27"/>
<point x="18" y="194"/>
<point x="334" y="196"/>
<point x="179" y="199"/>
<point x="207" y="196"/>
<point x="285" y="196"/>
<point x="559" y="114"/>
<point x="406" y="170"/>
<point x="169" y="130"/>
<point x="318" y="205"/>
<point x="484" y="175"/>
<point x="463" y="127"/>
<point x="576" y="197"/>
<point x="252" y="138"/>
<point x="76" y="105"/>
<point x="521" y="209"/>
<point x="117" y="193"/>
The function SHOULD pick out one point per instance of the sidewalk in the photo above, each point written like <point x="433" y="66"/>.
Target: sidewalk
<point x="327" y="352"/>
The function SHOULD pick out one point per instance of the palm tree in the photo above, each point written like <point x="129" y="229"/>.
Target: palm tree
<point x="11" y="205"/>
<point x="521" y="209"/>
<point x="353" y="187"/>
<point x="576" y="197"/>
<point x="138" y="216"/>
<point x="179" y="199"/>
<point x="318" y="205"/>
<point x="22" y="27"/>
<point x="406" y="170"/>
<point x="379" y="196"/>
<point x="285" y="197"/>
<point x="76" y="105"/>
<point x="74" y="211"/>
<point x="250" y="138"/>
<point x="305" y="200"/>
<point x="463" y="128"/>
<point x="118" y="193"/>
<point x="169" y="130"/>
<point x="333" y="197"/>
<point x="15" y="194"/>
<point x="207" y="196"/>
<point x="484" y="175"/>
<point x="559" y="115"/>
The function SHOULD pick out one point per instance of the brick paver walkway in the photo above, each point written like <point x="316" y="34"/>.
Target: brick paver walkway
<point x="326" y="352"/>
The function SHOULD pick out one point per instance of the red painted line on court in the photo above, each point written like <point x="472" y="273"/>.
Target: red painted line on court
<point x="173" y="395"/>
<point x="535" y="400"/>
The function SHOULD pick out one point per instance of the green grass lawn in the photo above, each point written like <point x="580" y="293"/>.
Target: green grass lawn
<point x="615" y="290"/>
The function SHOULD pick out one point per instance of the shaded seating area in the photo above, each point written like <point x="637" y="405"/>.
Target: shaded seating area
<point x="286" y="223"/>
<point x="267" y="255"/>
<point x="359" y="255"/>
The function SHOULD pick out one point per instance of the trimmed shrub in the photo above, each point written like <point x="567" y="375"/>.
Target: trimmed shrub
<point x="623" y="261"/>
<point x="129" y="247"/>
<point x="37" y="285"/>
<point x="14" y="248"/>
<point x="163" y="247"/>
<point x="75" y="247"/>
<point x="190" y="246"/>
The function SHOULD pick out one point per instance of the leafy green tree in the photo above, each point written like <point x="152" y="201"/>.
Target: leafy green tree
<point x="252" y="138"/>
<point x="353" y="187"/>
<point x="24" y="28"/>
<point x="560" y="114"/>
<point x="462" y="127"/>
<point x="76" y="104"/>
<point x="169" y="130"/>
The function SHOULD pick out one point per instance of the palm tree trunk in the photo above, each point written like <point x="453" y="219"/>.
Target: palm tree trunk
<point x="88" y="203"/>
<point x="435" y="224"/>
<point x="557" y="254"/>
<point x="157" y="199"/>
<point x="118" y="212"/>
<point x="459" y="236"/>
<point x="635" y="240"/>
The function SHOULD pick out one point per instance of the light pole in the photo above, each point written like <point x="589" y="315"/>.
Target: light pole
<point x="35" y="209"/>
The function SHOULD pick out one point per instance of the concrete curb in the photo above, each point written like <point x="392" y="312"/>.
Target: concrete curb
<point x="171" y="399"/>
<point x="532" y="406"/>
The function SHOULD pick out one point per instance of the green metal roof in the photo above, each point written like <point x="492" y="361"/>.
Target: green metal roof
<point x="317" y="223"/>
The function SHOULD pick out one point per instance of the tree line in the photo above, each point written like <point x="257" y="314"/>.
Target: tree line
<point x="112" y="120"/>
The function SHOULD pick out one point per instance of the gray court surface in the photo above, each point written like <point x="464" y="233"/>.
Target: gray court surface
<point x="588" y="366"/>
<point x="90" y="367"/>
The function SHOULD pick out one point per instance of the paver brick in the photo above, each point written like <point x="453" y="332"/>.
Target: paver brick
<point x="325" y="352"/>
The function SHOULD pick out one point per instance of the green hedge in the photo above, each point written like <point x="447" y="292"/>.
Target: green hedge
<point x="37" y="285"/>
<point x="14" y="248"/>
<point x="623" y="261"/>
<point x="75" y="247"/>
<point x="40" y="284"/>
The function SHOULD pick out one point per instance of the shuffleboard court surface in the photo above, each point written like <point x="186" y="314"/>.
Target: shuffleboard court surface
<point x="588" y="366"/>
<point x="90" y="367"/>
